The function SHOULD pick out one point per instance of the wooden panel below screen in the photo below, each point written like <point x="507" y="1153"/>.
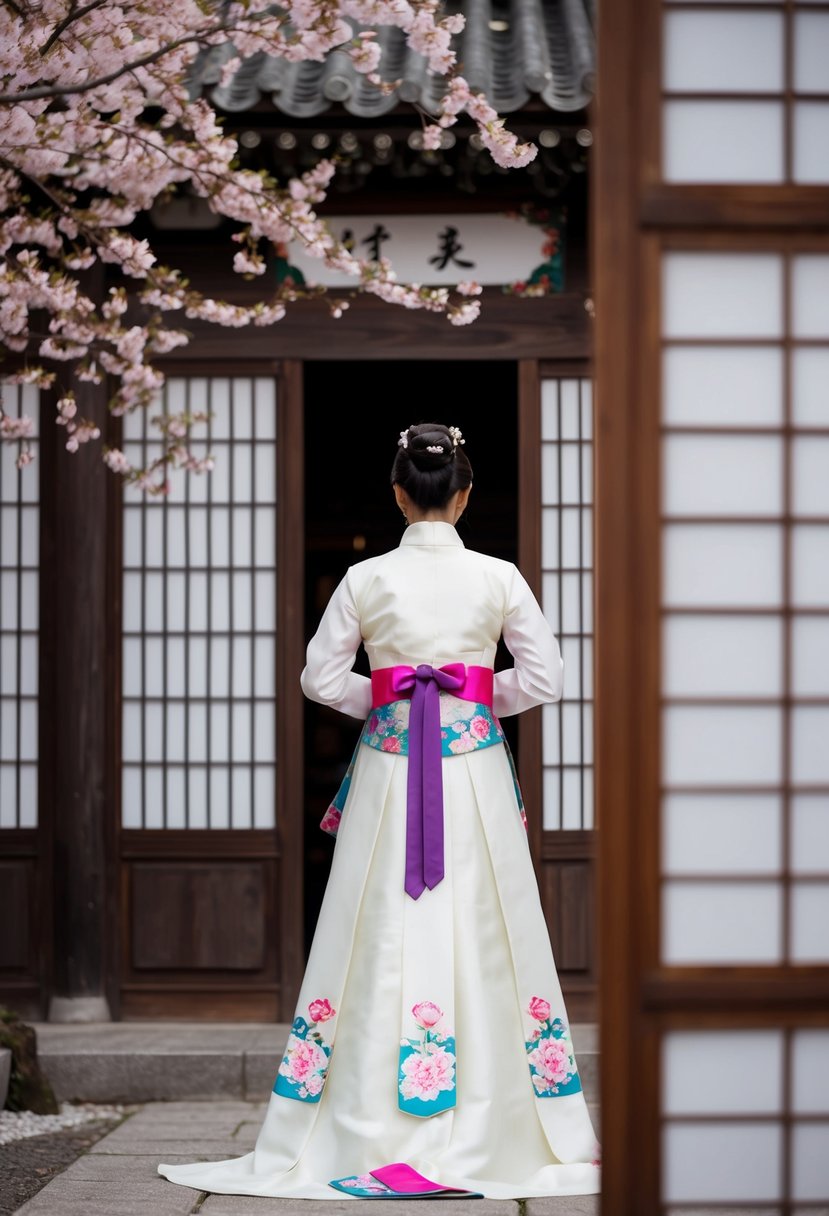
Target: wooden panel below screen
<point x="567" y="895"/>
<point x="198" y="915"/>
<point x="15" y="913"/>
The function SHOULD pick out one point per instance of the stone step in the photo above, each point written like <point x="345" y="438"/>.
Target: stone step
<point x="179" y="1061"/>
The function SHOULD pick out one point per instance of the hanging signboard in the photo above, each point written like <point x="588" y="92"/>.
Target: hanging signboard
<point x="521" y="251"/>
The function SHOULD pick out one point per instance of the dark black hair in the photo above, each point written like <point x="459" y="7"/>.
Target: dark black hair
<point x="430" y="466"/>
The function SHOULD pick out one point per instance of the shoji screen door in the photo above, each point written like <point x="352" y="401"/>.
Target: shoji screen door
<point x="19" y="719"/>
<point x="557" y="547"/>
<point x="712" y="260"/>
<point x="202" y="841"/>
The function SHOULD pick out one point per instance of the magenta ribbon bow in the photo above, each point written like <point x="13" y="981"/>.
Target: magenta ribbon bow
<point x="424" y="791"/>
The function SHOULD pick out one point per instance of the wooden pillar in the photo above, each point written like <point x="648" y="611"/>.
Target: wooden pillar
<point x="74" y="698"/>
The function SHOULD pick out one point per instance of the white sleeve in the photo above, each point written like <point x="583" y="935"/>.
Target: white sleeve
<point x="538" y="674"/>
<point x="327" y="676"/>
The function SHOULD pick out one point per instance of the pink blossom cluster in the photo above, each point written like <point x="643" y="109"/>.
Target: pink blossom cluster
<point x="80" y="160"/>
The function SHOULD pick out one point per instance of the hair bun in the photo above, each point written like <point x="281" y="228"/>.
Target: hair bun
<point x="431" y="449"/>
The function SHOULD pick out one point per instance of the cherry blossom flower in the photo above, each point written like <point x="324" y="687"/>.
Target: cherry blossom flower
<point x="98" y="123"/>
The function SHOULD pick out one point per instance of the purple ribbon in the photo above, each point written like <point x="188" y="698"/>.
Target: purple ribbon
<point x="424" y="792"/>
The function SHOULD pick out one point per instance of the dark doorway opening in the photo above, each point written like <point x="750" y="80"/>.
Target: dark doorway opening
<point x="354" y="412"/>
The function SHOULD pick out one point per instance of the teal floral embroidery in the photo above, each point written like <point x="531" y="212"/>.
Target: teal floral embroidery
<point x="465" y="726"/>
<point x="330" y="821"/>
<point x="304" y="1066"/>
<point x="550" y="1054"/>
<point x="426" y="1068"/>
<point x="518" y="796"/>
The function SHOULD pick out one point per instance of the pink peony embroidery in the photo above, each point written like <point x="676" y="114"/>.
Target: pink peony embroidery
<point x="479" y="727"/>
<point x="539" y="1008"/>
<point x="331" y="819"/>
<point x="465" y="743"/>
<point x="551" y="1060"/>
<point x="314" y="1083"/>
<point x="366" y="1182"/>
<point x="427" y="1014"/>
<point x="321" y="1010"/>
<point x="390" y="744"/>
<point x="302" y="1058"/>
<point x="424" y="1076"/>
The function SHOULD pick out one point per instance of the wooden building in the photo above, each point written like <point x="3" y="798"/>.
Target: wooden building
<point x="163" y="779"/>
<point x="710" y="273"/>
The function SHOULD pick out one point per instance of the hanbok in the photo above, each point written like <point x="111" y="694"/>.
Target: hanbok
<point x="430" y="1027"/>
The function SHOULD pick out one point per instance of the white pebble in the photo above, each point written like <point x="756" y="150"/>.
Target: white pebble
<point x="19" y="1125"/>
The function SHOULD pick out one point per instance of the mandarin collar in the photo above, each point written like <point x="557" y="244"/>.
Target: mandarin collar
<point x="431" y="532"/>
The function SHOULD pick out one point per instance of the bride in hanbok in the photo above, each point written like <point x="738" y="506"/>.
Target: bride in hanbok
<point x="430" y="1034"/>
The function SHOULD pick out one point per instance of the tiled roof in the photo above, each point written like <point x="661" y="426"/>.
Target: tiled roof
<point x="547" y="50"/>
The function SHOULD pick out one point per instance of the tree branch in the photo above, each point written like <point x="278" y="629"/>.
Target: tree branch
<point x="37" y="92"/>
<point x="73" y="15"/>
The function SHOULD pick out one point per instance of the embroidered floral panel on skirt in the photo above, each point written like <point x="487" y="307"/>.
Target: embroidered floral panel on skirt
<point x="430" y="1031"/>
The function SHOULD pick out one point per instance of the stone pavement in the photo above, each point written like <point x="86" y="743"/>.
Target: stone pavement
<point x="118" y="1176"/>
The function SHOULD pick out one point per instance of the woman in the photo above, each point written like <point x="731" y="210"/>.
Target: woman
<point x="430" y="1028"/>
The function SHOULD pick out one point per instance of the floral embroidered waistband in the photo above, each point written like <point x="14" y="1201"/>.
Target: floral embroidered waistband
<point x="424" y="788"/>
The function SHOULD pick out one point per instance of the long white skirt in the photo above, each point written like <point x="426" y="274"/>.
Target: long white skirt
<point x="476" y="945"/>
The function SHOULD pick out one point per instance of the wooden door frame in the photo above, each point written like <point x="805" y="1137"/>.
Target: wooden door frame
<point x="290" y="649"/>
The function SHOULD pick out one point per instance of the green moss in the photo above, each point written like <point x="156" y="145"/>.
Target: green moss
<point x="28" y="1087"/>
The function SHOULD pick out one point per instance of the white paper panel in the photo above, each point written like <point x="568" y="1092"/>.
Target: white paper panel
<point x="810" y="475"/>
<point x="722" y="387"/>
<point x="810" y="550"/>
<point x="219" y="798"/>
<point x="811" y="52"/>
<point x="811" y="142"/>
<point x="576" y="402"/>
<point x="241" y="798"/>
<point x="722" y="656"/>
<point x="727" y="295"/>
<point x="721" y="745"/>
<point x="265" y="407"/>
<point x="741" y="1161"/>
<point x="241" y="732"/>
<point x="549" y="474"/>
<point x="721" y="833"/>
<point x="264" y="472"/>
<point x="29" y="606"/>
<point x="552" y="800"/>
<point x="747" y="1065"/>
<point x="810" y="386"/>
<point x="727" y="52"/>
<point x="723" y="565"/>
<point x="810" y="833"/>
<point x="723" y="141"/>
<point x="721" y="922"/>
<point x="810" y="923"/>
<point x="241" y="402"/>
<point x="203" y="612"/>
<point x="28" y="795"/>
<point x="264" y="813"/>
<point x="722" y="475"/>
<point x="810" y="656"/>
<point x="810" y="744"/>
<point x="810" y="295"/>
<point x="567" y="540"/>
<point x="265" y="670"/>
<point x="810" y="1072"/>
<point x="575" y="612"/>
<point x="578" y="675"/>
<point x="197" y="739"/>
<point x="219" y="405"/>
<point x="8" y="600"/>
<point x="810" y="1162"/>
